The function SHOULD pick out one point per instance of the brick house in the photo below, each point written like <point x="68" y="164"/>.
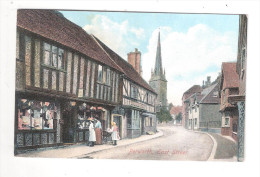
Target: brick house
<point x="229" y="85"/>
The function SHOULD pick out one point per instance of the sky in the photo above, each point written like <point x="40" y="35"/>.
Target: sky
<point x="193" y="46"/>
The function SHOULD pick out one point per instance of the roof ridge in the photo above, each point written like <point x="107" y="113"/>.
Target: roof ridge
<point x="209" y="92"/>
<point x="128" y="64"/>
<point x="105" y="52"/>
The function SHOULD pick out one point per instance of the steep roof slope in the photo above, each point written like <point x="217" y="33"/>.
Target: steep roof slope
<point x="52" y="25"/>
<point x="211" y="97"/>
<point x="127" y="68"/>
<point x="191" y="91"/>
<point x="230" y="78"/>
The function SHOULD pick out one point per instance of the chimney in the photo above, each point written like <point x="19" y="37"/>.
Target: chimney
<point x="134" y="58"/>
<point x="208" y="79"/>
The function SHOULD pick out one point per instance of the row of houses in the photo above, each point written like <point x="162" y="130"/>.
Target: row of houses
<point x="219" y="106"/>
<point x="65" y="76"/>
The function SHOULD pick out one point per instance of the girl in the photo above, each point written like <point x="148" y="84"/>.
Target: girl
<point x="115" y="135"/>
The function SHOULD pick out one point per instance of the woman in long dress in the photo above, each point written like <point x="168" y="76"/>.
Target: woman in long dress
<point x="115" y="135"/>
<point x="92" y="135"/>
<point x="98" y="132"/>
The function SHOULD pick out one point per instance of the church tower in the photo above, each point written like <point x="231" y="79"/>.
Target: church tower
<point x="158" y="80"/>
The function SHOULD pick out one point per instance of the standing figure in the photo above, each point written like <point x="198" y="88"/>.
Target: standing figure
<point x="98" y="131"/>
<point x="115" y="134"/>
<point x="92" y="135"/>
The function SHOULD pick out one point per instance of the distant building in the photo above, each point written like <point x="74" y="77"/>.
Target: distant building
<point x="203" y="110"/>
<point x="175" y="110"/>
<point x="158" y="80"/>
<point x="185" y="106"/>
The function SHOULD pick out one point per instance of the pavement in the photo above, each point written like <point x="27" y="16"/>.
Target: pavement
<point x="82" y="150"/>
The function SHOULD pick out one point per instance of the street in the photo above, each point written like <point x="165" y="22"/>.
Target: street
<point x="177" y="143"/>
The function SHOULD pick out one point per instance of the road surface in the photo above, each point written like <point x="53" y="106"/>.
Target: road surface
<point x="177" y="143"/>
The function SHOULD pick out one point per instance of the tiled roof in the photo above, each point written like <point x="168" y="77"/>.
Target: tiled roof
<point x="176" y="110"/>
<point x="192" y="90"/>
<point x="52" y="25"/>
<point x="127" y="68"/>
<point x="208" y="95"/>
<point x="231" y="78"/>
<point x="212" y="96"/>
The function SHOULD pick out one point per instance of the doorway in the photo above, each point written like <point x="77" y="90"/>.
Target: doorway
<point x="68" y="128"/>
<point x="117" y="120"/>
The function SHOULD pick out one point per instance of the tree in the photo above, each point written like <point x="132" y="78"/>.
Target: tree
<point x="179" y="117"/>
<point x="164" y="115"/>
<point x="170" y="106"/>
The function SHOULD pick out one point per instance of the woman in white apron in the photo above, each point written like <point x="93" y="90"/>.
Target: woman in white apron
<point x="92" y="134"/>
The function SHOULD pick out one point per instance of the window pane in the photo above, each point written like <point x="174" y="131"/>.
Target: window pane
<point x="49" y="114"/>
<point x="104" y="75"/>
<point x="37" y="120"/>
<point x="61" y="81"/>
<point x="54" y="75"/>
<point x="47" y="47"/>
<point x="108" y="77"/>
<point x="24" y="114"/>
<point x="46" y="56"/>
<point x="61" y="59"/>
<point x="54" y="56"/>
<point x="45" y="78"/>
<point x="99" y="73"/>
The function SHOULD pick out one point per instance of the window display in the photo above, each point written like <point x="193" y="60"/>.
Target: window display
<point x="35" y="115"/>
<point x="83" y="115"/>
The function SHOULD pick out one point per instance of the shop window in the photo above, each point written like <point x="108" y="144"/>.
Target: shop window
<point x="36" y="115"/>
<point x="83" y="115"/>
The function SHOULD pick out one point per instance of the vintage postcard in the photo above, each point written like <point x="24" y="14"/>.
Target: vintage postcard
<point x="130" y="85"/>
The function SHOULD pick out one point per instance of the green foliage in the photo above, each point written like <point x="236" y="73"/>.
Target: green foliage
<point x="170" y="106"/>
<point x="179" y="117"/>
<point x="164" y="115"/>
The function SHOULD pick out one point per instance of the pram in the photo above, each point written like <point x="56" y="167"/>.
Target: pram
<point x="106" y="137"/>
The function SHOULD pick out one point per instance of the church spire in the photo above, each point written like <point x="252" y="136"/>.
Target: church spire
<point x="158" y="61"/>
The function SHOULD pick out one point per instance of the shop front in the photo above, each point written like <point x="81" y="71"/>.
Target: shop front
<point x="46" y="121"/>
<point x="133" y="123"/>
<point x="37" y="122"/>
<point x="77" y="120"/>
